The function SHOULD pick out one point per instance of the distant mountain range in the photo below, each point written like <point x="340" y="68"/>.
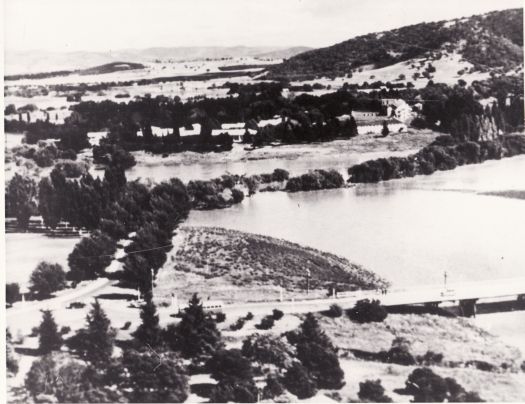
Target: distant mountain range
<point x="21" y="62"/>
<point x="489" y="41"/>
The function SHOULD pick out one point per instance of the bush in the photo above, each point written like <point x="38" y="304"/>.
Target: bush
<point x="426" y="386"/>
<point x="237" y="325"/>
<point x="372" y="391"/>
<point x="280" y="175"/>
<point x="334" y="311"/>
<point x="273" y="388"/>
<point x="277" y="314"/>
<point x="266" y="323"/>
<point x="366" y="311"/>
<point x="249" y="316"/>
<point x="12" y="293"/>
<point x="220" y="317"/>
<point x="237" y="195"/>
<point x="46" y="279"/>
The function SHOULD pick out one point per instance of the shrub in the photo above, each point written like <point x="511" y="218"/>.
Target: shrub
<point x="277" y="314"/>
<point x="12" y="293"/>
<point x="426" y="386"/>
<point x="366" y="311"/>
<point x="237" y="325"/>
<point x="249" y="316"/>
<point x="220" y="317"/>
<point x="266" y="323"/>
<point x="334" y="311"/>
<point x="280" y="175"/>
<point x="273" y="388"/>
<point x="372" y="391"/>
<point x="237" y="195"/>
<point x="430" y="358"/>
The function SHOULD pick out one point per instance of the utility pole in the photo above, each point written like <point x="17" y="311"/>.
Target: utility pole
<point x="445" y="275"/>
<point x="307" y="281"/>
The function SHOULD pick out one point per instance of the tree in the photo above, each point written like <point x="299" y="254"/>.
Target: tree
<point x="46" y="279"/>
<point x="366" y="311"/>
<point x="298" y="382"/>
<point x="322" y="364"/>
<point x="90" y="257"/>
<point x="385" y="131"/>
<point x="229" y="363"/>
<point x="232" y="390"/>
<point x="20" y="199"/>
<point x="49" y="337"/>
<point x="149" y="331"/>
<point x="154" y="376"/>
<point x="310" y="331"/>
<point x="49" y="203"/>
<point x="95" y="342"/>
<point x="63" y="379"/>
<point x="373" y="392"/>
<point x="12" y="293"/>
<point x="268" y="349"/>
<point x="10" y="359"/>
<point x="196" y="334"/>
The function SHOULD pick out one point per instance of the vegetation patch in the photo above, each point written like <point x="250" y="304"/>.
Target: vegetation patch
<point x="240" y="266"/>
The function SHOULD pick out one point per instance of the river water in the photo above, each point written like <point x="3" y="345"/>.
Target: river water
<point x="409" y="231"/>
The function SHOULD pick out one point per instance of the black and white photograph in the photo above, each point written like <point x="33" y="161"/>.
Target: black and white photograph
<point x="275" y="201"/>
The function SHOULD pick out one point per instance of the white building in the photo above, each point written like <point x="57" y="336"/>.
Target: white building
<point x="95" y="137"/>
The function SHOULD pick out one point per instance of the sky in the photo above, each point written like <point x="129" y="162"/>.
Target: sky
<point x="104" y="25"/>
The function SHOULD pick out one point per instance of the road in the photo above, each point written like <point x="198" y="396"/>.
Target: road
<point x="416" y="295"/>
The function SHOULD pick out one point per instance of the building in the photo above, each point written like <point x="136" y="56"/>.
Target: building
<point x="372" y="123"/>
<point x="397" y="108"/>
<point x="95" y="137"/>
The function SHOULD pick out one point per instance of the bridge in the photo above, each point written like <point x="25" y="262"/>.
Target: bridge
<point x="465" y="293"/>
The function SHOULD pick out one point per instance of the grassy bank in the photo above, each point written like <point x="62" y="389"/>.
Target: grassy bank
<point x="237" y="266"/>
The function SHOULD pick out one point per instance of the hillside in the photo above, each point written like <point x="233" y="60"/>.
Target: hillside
<point x="236" y="266"/>
<point x="487" y="42"/>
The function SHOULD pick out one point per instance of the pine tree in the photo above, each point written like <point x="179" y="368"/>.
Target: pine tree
<point x="196" y="334"/>
<point x="149" y="332"/>
<point x="95" y="343"/>
<point x="49" y="337"/>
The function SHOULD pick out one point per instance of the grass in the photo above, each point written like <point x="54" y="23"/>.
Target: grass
<point x="458" y="339"/>
<point x="237" y="266"/>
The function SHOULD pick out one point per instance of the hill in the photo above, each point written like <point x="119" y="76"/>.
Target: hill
<point x="31" y="62"/>
<point x="487" y="42"/>
<point x="237" y="266"/>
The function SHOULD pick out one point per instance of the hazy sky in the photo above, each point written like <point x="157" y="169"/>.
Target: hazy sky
<point x="102" y="25"/>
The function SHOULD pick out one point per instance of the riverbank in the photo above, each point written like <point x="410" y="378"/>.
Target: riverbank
<point x="295" y="158"/>
<point x="237" y="267"/>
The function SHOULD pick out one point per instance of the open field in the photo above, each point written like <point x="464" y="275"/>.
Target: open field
<point x="297" y="159"/>
<point x="236" y="266"/>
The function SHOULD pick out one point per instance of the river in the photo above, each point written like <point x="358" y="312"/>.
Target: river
<point x="409" y="231"/>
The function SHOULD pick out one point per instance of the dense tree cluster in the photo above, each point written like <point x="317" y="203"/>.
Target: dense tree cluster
<point x="444" y="154"/>
<point x="315" y="180"/>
